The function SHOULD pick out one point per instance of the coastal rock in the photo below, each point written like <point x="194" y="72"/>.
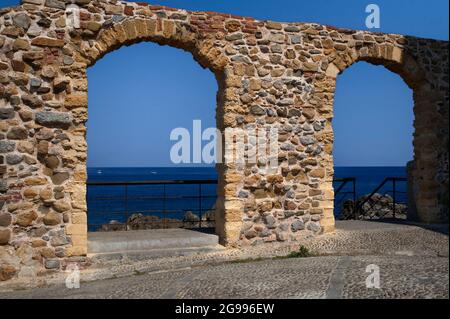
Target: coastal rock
<point x="379" y="206"/>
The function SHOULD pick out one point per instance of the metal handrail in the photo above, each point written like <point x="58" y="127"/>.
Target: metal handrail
<point x="344" y="182"/>
<point x="164" y="198"/>
<point x="168" y="182"/>
<point x="394" y="180"/>
<point x="339" y="191"/>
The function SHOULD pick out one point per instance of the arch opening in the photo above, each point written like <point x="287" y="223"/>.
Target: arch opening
<point x="373" y="145"/>
<point x="129" y="155"/>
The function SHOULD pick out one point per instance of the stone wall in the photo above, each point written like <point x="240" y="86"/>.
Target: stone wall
<point x="270" y="74"/>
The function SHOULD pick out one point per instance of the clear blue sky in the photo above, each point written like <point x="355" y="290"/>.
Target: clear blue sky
<point x="138" y="94"/>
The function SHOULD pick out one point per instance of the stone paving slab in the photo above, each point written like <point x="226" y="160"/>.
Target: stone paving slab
<point x="416" y="249"/>
<point x="320" y="277"/>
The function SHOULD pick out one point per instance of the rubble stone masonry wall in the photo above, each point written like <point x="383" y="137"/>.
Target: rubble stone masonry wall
<point x="270" y="74"/>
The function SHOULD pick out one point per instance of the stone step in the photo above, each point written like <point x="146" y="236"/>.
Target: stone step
<point x="142" y="255"/>
<point x="167" y="239"/>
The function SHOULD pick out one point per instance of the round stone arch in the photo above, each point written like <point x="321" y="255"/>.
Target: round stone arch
<point x="43" y="110"/>
<point x="403" y="59"/>
<point x="204" y="51"/>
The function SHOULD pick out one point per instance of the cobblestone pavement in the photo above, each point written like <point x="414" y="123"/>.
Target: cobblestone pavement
<point x="319" y="277"/>
<point x="413" y="263"/>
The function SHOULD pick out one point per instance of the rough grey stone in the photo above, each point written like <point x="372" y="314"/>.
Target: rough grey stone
<point x="234" y="37"/>
<point x="317" y="126"/>
<point x="306" y="218"/>
<point x="265" y="233"/>
<point x="13" y="159"/>
<point x="270" y="221"/>
<point x="285" y="102"/>
<point x="257" y="110"/>
<point x="307" y="127"/>
<point x="251" y="233"/>
<point x="292" y="29"/>
<point x="6" y="113"/>
<point x="287" y="147"/>
<point x="35" y="83"/>
<point x="34" y="1"/>
<point x="243" y="194"/>
<point x="178" y="16"/>
<point x="295" y="112"/>
<point x="54" y="119"/>
<point x="281" y="235"/>
<point x="276" y="48"/>
<point x="38" y="232"/>
<point x="58" y="240"/>
<point x="3" y="186"/>
<point x="67" y="60"/>
<point x="82" y="1"/>
<point x="240" y="58"/>
<point x="55" y="4"/>
<point x="297" y="225"/>
<point x="315" y="227"/>
<point x="290" y="194"/>
<point x="60" y="178"/>
<point x="307" y="140"/>
<point x="7" y="146"/>
<point x="290" y="213"/>
<point x="52" y="264"/>
<point x="296" y="39"/>
<point x="118" y="18"/>
<point x="22" y="20"/>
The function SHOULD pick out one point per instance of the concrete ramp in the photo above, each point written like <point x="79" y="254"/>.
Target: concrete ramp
<point x="150" y="243"/>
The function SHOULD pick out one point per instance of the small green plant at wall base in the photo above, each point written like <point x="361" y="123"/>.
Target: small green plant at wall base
<point x="302" y="252"/>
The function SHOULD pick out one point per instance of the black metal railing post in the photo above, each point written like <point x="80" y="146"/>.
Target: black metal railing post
<point x="127" y="214"/>
<point x="103" y="214"/>
<point x="341" y="191"/>
<point x="164" y="207"/>
<point x="200" y="204"/>
<point x="394" y="191"/>
<point x="394" y="196"/>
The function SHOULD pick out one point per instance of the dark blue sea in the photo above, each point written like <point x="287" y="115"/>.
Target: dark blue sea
<point x="107" y="203"/>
